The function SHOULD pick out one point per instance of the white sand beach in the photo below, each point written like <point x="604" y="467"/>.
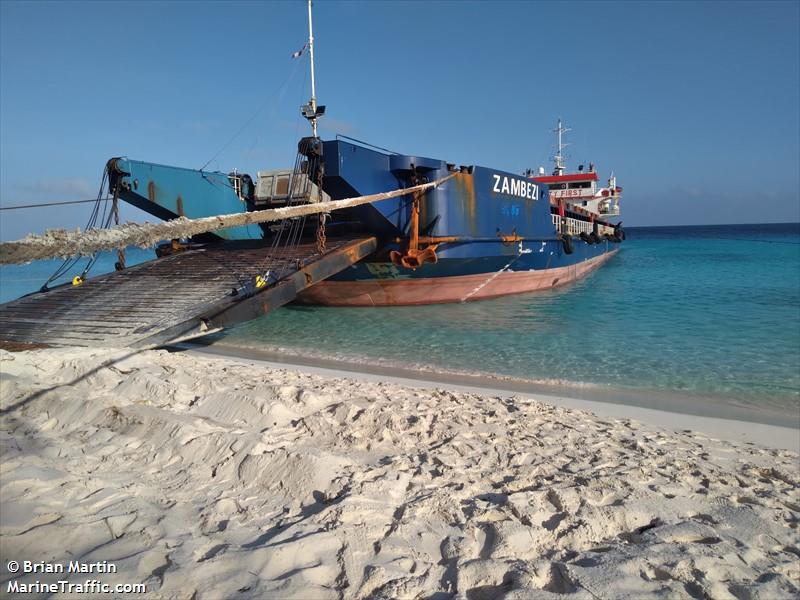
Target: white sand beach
<point x="207" y="477"/>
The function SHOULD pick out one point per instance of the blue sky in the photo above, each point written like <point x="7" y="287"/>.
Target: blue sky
<point x="694" y="105"/>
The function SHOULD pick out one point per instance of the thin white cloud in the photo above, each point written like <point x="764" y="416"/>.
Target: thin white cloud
<point x="337" y="126"/>
<point x="201" y="126"/>
<point x="63" y="188"/>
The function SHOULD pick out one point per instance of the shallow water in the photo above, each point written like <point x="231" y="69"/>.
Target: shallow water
<point x="706" y="312"/>
<point x="702" y="311"/>
<point x="18" y="280"/>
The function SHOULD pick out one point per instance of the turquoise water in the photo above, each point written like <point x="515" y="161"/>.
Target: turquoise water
<point x="18" y="280"/>
<point x="702" y="311"/>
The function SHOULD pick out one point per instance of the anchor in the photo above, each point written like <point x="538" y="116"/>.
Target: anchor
<point x="410" y="256"/>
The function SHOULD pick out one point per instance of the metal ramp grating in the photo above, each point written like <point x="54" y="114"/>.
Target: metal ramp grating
<point x="176" y="296"/>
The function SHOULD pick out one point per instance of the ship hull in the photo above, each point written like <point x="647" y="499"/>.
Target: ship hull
<point x="478" y="233"/>
<point x="488" y="232"/>
<point x="440" y="290"/>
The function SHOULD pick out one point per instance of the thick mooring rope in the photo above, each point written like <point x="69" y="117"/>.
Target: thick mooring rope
<point x="56" y="243"/>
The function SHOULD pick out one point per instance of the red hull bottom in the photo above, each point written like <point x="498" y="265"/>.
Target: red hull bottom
<point x="439" y="290"/>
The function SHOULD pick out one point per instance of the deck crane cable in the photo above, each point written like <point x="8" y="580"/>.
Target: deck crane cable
<point x="279" y="93"/>
<point x="275" y="263"/>
<point x="293" y="227"/>
<point x="105" y="222"/>
<point x="299" y="190"/>
<point x="61" y="243"/>
<point x="70" y="262"/>
<point x="46" y="204"/>
<point x="280" y="253"/>
<point x="265" y="271"/>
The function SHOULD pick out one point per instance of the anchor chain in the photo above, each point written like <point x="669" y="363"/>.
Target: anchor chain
<point x="120" y="264"/>
<point x="321" y="237"/>
<point x="321" y="218"/>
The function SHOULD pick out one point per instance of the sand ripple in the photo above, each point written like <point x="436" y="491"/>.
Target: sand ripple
<point x="210" y="478"/>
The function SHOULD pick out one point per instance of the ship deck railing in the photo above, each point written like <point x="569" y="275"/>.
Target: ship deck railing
<point x="578" y="226"/>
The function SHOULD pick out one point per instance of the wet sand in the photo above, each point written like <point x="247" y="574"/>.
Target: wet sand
<point x="765" y="425"/>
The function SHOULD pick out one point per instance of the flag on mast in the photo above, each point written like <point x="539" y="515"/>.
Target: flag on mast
<point x="299" y="53"/>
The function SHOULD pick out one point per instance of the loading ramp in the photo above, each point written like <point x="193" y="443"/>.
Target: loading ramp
<point x="176" y="297"/>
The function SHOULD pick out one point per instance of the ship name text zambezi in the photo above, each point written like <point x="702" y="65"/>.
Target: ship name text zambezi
<point x="515" y="187"/>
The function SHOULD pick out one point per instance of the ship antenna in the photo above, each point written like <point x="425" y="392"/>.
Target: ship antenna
<point x="558" y="159"/>
<point x="311" y="111"/>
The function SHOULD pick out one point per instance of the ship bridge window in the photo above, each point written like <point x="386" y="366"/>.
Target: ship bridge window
<point x="577" y="185"/>
<point x="558" y="186"/>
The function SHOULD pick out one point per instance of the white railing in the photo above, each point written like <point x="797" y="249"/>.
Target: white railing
<point x="576" y="226"/>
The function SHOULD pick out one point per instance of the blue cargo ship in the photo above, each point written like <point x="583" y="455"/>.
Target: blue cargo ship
<point x="482" y="233"/>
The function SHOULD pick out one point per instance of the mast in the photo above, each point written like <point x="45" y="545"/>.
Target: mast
<point x="558" y="159"/>
<point x="311" y="56"/>
<point x="311" y="111"/>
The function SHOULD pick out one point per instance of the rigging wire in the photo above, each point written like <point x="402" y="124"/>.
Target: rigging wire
<point x="292" y="228"/>
<point x="271" y="116"/>
<point x="60" y="203"/>
<point x="258" y="111"/>
<point x="69" y="263"/>
<point x="279" y="253"/>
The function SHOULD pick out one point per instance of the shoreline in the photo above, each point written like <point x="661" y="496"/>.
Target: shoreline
<point x="732" y="426"/>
